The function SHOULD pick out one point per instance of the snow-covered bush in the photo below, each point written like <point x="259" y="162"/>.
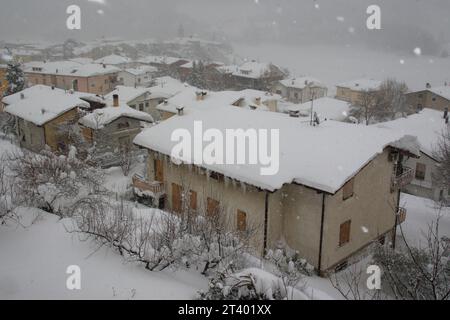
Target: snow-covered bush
<point x="289" y="263"/>
<point x="251" y="284"/>
<point x="160" y="239"/>
<point x="53" y="182"/>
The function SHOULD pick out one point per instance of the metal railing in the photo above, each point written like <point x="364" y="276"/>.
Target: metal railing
<point x="403" y="179"/>
<point x="155" y="188"/>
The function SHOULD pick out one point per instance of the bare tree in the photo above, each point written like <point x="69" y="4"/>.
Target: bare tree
<point x="387" y="102"/>
<point x="441" y="178"/>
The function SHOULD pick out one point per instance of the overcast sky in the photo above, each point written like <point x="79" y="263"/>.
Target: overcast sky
<point x="295" y="21"/>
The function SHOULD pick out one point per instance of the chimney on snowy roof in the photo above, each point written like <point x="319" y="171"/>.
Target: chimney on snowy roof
<point x="180" y="111"/>
<point x="22" y="96"/>
<point x="115" y="100"/>
<point x="428" y="85"/>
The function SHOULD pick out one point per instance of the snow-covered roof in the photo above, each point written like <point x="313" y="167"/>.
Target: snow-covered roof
<point x="428" y="126"/>
<point x="323" y="157"/>
<point x="102" y="117"/>
<point x="41" y="104"/>
<point x="69" y="68"/>
<point x="127" y="94"/>
<point x="168" y="86"/>
<point x="188" y="99"/>
<point x="113" y="59"/>
<point x="138" y="71"/>
<point x="159" y="60"/>
<point x="443" y="91"/>
<point x="253" y="69"/>
<point x="361" y="85"/>
<point x="302" y="82"/>
<point x="82" y="60"/>
<point x="326" y="108"/>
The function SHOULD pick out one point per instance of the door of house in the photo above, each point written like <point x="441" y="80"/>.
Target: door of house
<point x="159" y="171"/>
<point x="176" y="198"/>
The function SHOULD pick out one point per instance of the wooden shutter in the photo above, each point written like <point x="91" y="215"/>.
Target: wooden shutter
<point x="344" y="234"/>
<point x="348" y="189"/>
<point x="193" y="201"/>
<point x="241" y="220"/>
<point x="159" y="171"/>
<point x="176" y="198"/>
<point x="420" y="171"/>
<point x="213" y="207"/>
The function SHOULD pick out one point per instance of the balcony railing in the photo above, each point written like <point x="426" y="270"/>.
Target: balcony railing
<point x="142" y="187"/>
<point x="401" y="215"/>
<point x="403" y="179"/>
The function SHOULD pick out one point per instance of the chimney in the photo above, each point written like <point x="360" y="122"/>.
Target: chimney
<point x="258" y="101"/>
<point x="104" y="66"/>
<point x="53" y="87"/>
<point x="180" y="111"/>
<point x="201" y="95"/>
<point x="22" y="96"/>
<point x="115" y="100"/>
<point x="428" y="85"/>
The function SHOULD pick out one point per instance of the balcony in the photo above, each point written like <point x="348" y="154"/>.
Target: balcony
<point x="402" y="180"/>
<point x="143" y="188"/>
<point x="401" y="215"/>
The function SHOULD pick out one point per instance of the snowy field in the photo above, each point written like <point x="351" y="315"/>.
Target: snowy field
<point x="334" y="64"/>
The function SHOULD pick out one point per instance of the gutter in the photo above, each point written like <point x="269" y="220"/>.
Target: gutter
<point x="266" y="221"/>
<point x="321" y="233"/>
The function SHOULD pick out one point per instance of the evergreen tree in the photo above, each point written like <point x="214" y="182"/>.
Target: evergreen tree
<point x="15" y="78"/>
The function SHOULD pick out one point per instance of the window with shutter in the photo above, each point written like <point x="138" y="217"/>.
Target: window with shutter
<point x="348" y="189"/>
<point x="241" y="220"/>
<point x="421" y="169"/>
<point x="344" y="234"/>
<point x="213" y="207"/>
<point x="193" y="201"/>
<point x="176" y="198"/>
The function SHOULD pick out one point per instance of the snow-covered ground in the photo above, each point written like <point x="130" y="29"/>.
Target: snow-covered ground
<point x="420" y="214"/>
<point x="36" y="255"/>
<point x="336" y="64"/>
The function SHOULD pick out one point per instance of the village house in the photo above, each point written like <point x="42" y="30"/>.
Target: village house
<point x="353" y="91"/>
<point x="428" y="126"/>
<point x="300" y="90"/>
<point x="256" y="75"/>
<point x="326" y="201"/>
<point x="141" y="99"/>
<point x="137" y="77"/>
<point x="40" y="113"/>
<point x="69" y="75"/>
<point x="116" y="61"/>
<point x="325" y="108"/>
<point x="192" y="99"/>
<point x="437" y="98"/>
<point x="165" y="65"/>
<point x="112" y="130"/>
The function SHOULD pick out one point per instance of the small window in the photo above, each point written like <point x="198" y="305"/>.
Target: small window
<point x="147" y="104"/>
<point x="420" y="171"/>
<point x="123" y="125"/>
<point x="213" y="207"/>
<point x="348" y="189"/>
<point x="344" y="233"/>
<point x="241" y="221"/>
<point x="193" y="200"/>
<point x="141" y="107"/>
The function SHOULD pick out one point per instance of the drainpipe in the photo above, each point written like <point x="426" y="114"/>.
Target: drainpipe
<point x="266" y="221"/>
<point x="321" y="233"/>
